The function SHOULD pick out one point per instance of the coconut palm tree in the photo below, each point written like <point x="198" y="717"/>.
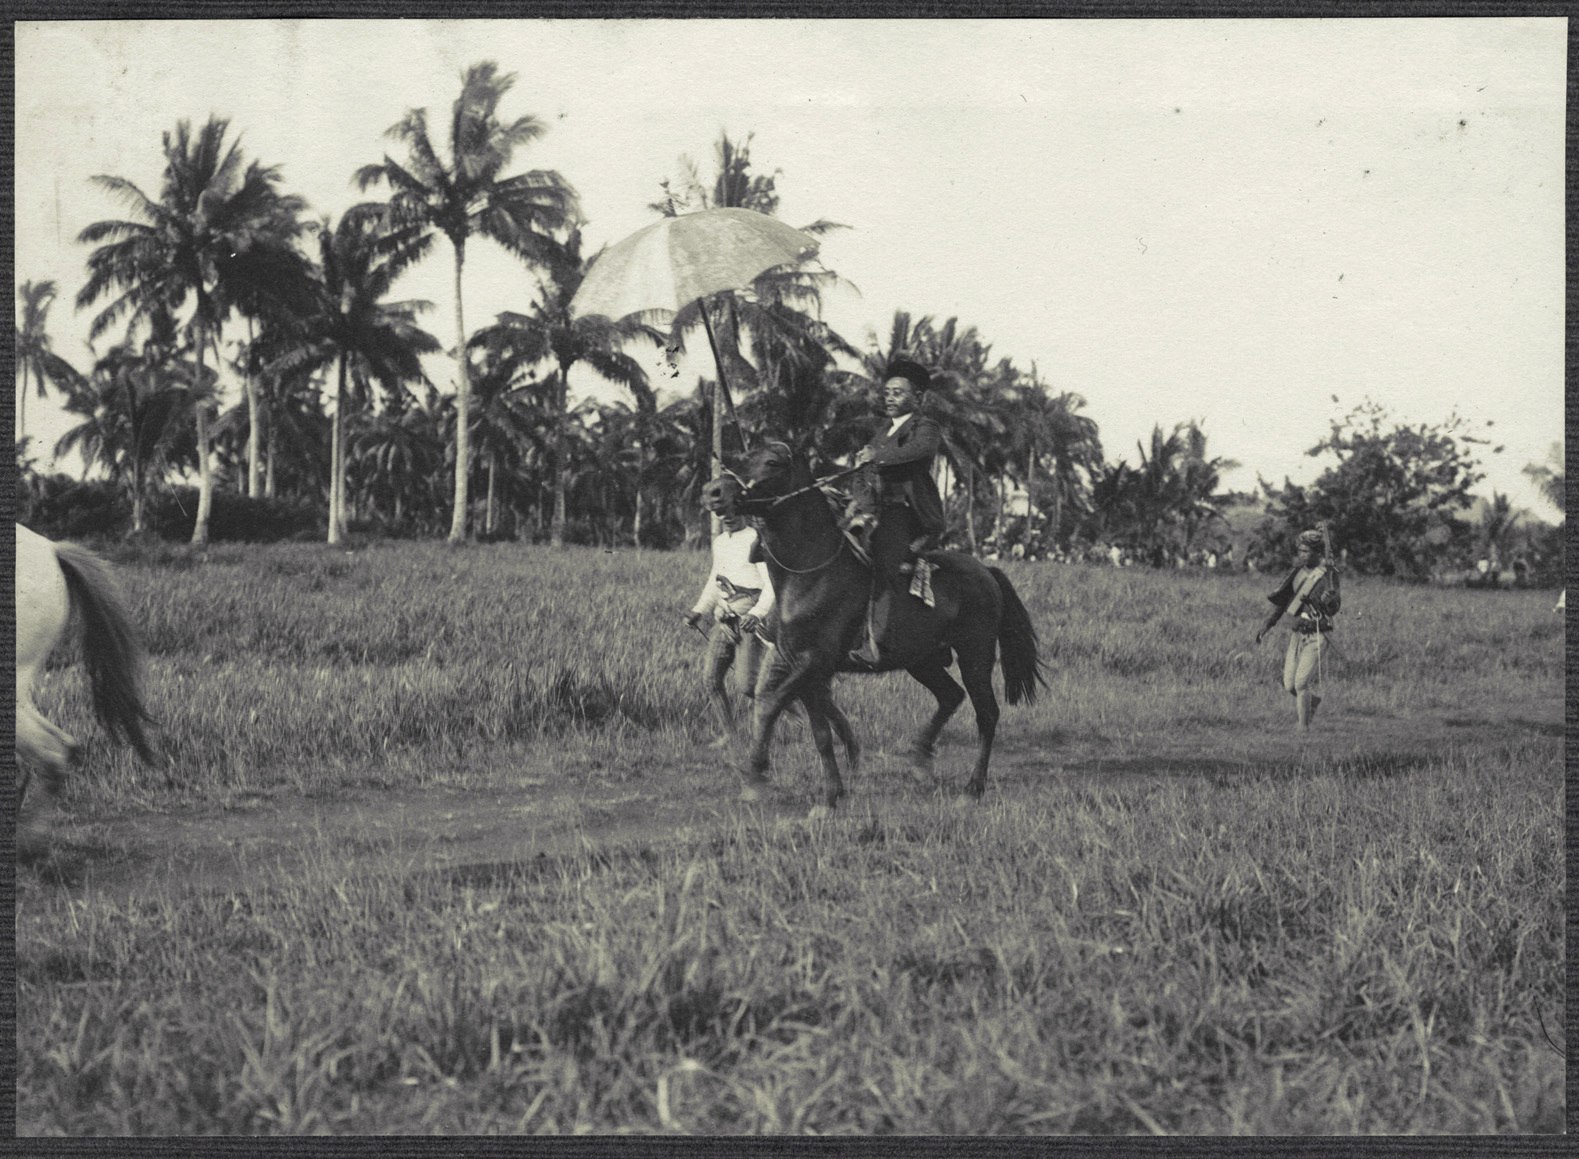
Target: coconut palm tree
<point x="353" y="329"/>
<point x="402" y="446"/>
<point x="510" y="423"/>
<point x="784" y="304"/>
<point x="296" y="436"/>
<point x="217" y="225"/>
<point x="1548" y="477"/>
<point x="549" y="331"/>
<point x="1498" y="526"/>
<point x="274" y="291"/>
<point x="466" y="195"/>
<point x="1052" y="433"/>
<point x="136" y="411"/>
<point x="677" y="461"/>
<point x="1197" y="499"/>
<point x="36" y="361"/>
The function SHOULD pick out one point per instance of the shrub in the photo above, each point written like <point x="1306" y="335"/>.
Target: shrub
<point x="234" y="518"/>
<point x="60" y="507"/>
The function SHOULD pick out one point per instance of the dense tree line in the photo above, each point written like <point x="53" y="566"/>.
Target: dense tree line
<point x="221" y="285"/>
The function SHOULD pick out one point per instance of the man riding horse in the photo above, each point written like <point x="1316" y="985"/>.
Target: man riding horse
<point x="900" y="493"/>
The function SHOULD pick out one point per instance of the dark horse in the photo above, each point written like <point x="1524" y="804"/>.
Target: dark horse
<point x="822" y="589"/>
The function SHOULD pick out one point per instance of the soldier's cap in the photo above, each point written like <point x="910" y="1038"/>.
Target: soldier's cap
<point x="1311" y="538"/>
<point x="912" y="372"/>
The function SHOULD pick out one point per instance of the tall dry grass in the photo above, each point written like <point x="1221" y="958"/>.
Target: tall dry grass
<point x="1167" y="916"/>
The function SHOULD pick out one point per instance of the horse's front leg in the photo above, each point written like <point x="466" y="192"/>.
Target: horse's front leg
<point x="846" y="733"/>
<point x="782" y="686"/>
<point x="817" y="702"/>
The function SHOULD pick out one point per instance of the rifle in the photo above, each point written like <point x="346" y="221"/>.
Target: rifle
<point x="1308" y="588"/>
<point x="1329" y="566"/>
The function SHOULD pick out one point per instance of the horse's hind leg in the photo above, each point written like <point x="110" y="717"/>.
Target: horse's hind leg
<point x="975" y="669"/>
<point x="933" y="673"/>
<point x="43" y="753"/>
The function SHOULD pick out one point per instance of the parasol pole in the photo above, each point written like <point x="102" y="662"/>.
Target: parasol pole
<point x="723" y="392"/>
<point x="720" y="395"/>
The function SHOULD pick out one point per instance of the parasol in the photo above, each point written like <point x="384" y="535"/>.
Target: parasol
<point x="671" y="263"/>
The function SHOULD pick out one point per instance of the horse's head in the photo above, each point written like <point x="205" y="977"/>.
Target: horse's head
<point x="721" y="496"/>
<point x="767" y="473"/>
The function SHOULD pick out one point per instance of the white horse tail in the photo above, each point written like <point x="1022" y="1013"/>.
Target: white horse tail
<point x="111" y="647"/>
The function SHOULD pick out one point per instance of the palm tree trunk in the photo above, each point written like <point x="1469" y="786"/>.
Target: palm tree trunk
<point x="641" y="463"/>
<point x="997" y="519"/>
<point x="490" y="519"/>
<point x="556" y="534"/>
<point x="1030" y="489"/>
<point x="205" y="477"/>
<point x="337" y="459"/>
<point x="462" y="409"/>
<point x="1056" y="523"/>
<point x="970" y="505"/>
<point x="1058" y="513"/>
<point x="268" y="463"/>
<point x="252" y="417"/>
<point x="21" y="402"/>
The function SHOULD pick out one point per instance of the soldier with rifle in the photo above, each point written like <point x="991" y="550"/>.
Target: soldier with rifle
<point x="1310" y="595"/>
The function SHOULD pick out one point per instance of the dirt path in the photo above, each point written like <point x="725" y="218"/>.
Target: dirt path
<point x="268" y="837"/>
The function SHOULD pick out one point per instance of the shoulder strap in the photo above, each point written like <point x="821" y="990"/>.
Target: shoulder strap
<point x="1305" y="589"/>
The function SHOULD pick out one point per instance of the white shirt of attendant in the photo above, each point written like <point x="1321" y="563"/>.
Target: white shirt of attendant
<point x="732" y="560"/>
<point x="896" y="423"/>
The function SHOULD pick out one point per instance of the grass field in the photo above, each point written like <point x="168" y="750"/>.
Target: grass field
<point x="1169" y="914"/>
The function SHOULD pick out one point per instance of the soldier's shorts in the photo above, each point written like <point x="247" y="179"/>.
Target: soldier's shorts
<point x="1302" y="662"/>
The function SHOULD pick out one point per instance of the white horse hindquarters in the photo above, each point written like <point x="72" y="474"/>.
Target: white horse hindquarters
<point x="43" y="607"/>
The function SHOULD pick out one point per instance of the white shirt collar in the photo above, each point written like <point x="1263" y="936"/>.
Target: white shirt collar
<point x="895" y="424"/>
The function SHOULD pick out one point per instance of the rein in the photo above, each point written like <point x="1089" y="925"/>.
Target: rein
<point x="837" y="548"/>
<point x="814" y="485"/>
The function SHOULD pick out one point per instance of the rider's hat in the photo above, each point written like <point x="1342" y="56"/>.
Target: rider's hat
<point x="912" y="372"/>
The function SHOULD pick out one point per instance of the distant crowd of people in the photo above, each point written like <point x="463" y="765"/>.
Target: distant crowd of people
<point x="1225" y="558"/>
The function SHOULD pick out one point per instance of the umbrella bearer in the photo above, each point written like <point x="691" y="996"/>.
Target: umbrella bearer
<point x="900" y="493"/>
<point x="737" y="594"/>
<point x="1310" y="593"/>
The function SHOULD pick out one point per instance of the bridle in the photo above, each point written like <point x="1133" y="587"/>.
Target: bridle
<point x="814" y="485"/>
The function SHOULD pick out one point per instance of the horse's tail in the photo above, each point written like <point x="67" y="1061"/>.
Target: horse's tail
<point x="1022" y="667"/>
<point x="112" y="649"/>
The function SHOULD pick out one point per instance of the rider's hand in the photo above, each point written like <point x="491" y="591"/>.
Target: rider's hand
<point x="750" y="623"/>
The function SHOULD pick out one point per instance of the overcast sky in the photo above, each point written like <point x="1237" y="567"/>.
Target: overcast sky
<point x="1223" y="220"/>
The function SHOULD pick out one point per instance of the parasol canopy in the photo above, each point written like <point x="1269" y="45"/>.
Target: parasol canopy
<point x="673" y="262"/>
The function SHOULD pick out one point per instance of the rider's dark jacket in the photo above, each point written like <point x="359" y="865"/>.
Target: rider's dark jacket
<point x="903" y="462"/>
